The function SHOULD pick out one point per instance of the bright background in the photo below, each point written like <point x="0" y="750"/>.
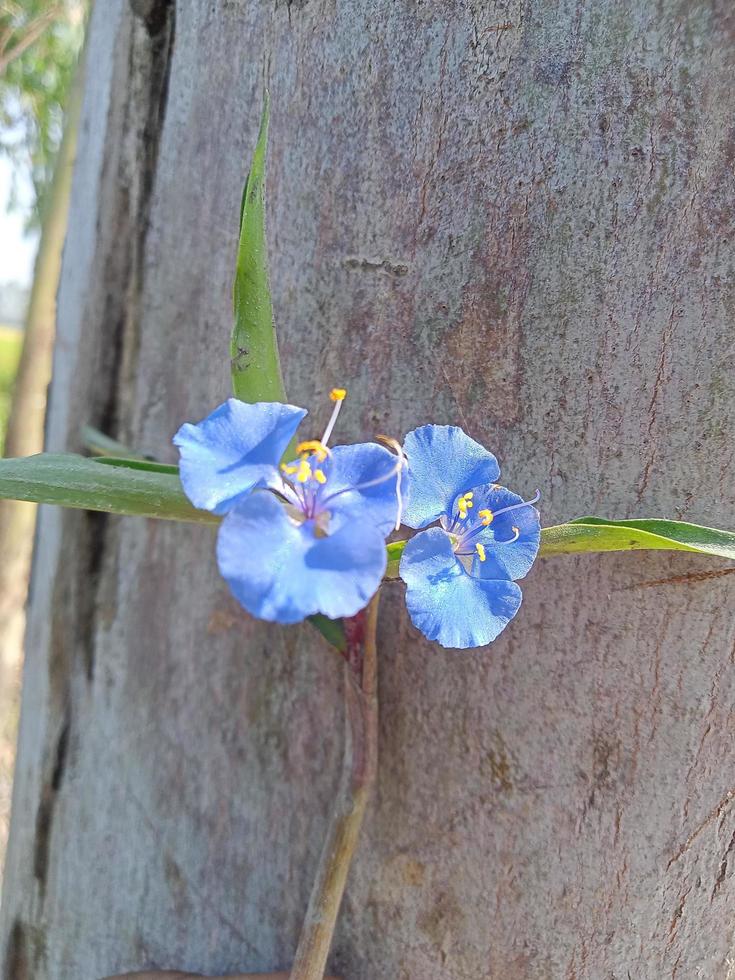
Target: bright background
<point x="17" y="254"/>
<point x="39" y="45"/>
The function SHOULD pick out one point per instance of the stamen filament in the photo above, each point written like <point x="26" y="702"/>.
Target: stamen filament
<point x="483" y="526"/>
<point x="398" y="448"/>
<point x="524" y="503"/>
<point x="396" y="471"/>
<point x="337" y="395"/>
<point x="293" y="489"/>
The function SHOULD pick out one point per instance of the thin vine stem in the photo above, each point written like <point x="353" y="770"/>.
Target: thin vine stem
<point x="358" y="776"/>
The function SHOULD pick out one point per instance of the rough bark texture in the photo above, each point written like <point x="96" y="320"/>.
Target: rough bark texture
<point x="515" y="216"/>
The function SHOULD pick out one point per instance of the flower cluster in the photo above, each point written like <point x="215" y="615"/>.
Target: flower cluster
<point x="305" y="525"/>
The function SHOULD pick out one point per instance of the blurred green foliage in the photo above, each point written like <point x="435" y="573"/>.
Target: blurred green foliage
<point x="39" y="46"/>
<point x="10" y="344"/>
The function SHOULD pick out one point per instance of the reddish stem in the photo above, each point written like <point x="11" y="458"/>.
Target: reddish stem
<point x="358" y="775"/>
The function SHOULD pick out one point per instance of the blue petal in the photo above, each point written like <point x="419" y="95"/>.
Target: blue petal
<point x="236" y="448"/>
<point x="443" y="462"/>
<point x="447" y="604"/>
<point x="350" y="466"/>
<point x="280" y="571"/>
<point x="516" y="559"/>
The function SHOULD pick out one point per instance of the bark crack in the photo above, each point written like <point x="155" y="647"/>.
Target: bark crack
<point x="709" y="819"/>
<point x="16" y="965"/>
<point x="653" y="405"/>
<point x="722" y="872"/>
<point x="47" y="806"/>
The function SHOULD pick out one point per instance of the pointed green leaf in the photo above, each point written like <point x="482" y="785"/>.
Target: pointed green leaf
<point x="332" y="630"/>
<point x="74" y="481"/>
<point x="588" y="534"/>
<point x="596" y="534"/>
<point x="256" y="368"/>
<point x="115" y="453"/>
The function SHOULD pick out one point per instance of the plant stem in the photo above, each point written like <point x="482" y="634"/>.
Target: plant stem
<point x="358" y="775"/>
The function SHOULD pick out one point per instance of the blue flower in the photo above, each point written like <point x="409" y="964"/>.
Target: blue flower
<point x="460" y="575"/>
<point x="302" y="537"/>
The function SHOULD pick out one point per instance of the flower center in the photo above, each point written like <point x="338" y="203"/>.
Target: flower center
<point x="302" y="469"/>
<point x="462" y="531"/>
<point x="319" y="520"/>
<point x="303" y="478"/>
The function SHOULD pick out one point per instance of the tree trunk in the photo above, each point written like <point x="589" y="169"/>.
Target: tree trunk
<point x="515" y="216"/>
<point x="24" y="437"/>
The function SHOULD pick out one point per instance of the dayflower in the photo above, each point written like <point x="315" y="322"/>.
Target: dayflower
<point x="460" y="574"/>
<point x="302" y="536"/>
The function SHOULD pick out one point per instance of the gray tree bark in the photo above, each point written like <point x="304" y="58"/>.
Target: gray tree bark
<point x="516" y="216"/>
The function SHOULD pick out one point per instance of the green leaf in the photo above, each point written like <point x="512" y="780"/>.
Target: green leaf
<point x="332" y="630"/>
<point x="150" y="465"/>
<point x="114" y="453"/>
<point x="73" y="481"/>
<point x="256" y="368"/>
<point x="589" y="534"/>
<point x="596" y="534"/>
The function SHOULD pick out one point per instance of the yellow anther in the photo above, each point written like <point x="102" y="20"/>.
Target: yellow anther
<point x="486" y="516"/>
<point x="315" y="447"/>
<point x="304" y="471"/>
<point x="288" y="468"/>
<point x="469" y="495"/>
<point x="464" y="503"/>
<point x="319" y="476"/>
<point x="338" y="394"/>
<point x="480" y="549"/>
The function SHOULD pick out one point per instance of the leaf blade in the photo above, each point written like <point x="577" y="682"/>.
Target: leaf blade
<point x="133" y="463"/>
<point x="596" y="534"/>
<point x="75" y="481"/>
<point x="332" y="630"/>
<point x="254" y="359"/>
<point x="590" y="535"/>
